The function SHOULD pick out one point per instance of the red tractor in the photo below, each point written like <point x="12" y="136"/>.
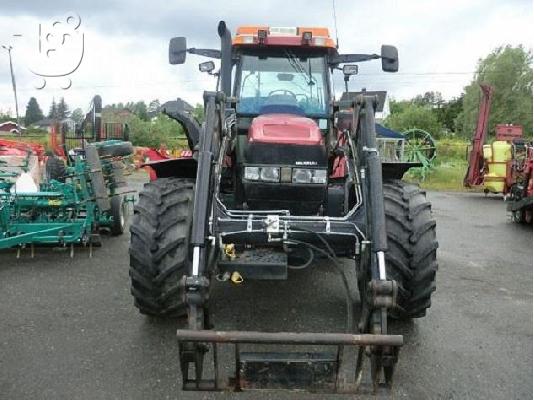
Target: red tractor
<point x="281" y="174"/>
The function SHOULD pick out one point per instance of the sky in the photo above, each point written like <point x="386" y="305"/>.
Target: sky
<point x="125" y="43"/>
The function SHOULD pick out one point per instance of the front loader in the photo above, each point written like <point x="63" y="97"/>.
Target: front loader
<point x="282" y="174"/>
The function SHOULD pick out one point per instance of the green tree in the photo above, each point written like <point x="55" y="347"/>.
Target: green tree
<point x="161" y="131"/>
<point x="432" y="99"/>
<point x="414" y="116"/>
<point x="141" y="110"/>
<point x="5" y="116"/>
<point x="77" y="115"/>
<point x="449" y="112"/>
<point x="52" y="113"/>
<point x="509" y="70"/>
<point x="62" y="109"/>
<point x="33" y="112"/>
<point x="153" y="106"/>
<point x="198" y="112"/>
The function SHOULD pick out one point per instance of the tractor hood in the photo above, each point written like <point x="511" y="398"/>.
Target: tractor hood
<point x="285" y="129"/>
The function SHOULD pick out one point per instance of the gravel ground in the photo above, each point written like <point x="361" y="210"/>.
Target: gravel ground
<point x="68" y="328"/>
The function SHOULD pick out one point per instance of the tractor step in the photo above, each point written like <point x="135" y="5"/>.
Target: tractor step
<point x="256" y="264"/>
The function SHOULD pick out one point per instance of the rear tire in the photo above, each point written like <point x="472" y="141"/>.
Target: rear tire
<point x="159" y="255"/>
<point x="411" y="256"/>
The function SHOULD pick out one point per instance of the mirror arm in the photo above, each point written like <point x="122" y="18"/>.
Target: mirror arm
<point x="211" y="53"/>
<point x="348" y="58"/>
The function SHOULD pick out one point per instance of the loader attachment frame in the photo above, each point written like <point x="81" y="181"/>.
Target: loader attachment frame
<point x="317" y="371"/>
<point x="365" y="228"/>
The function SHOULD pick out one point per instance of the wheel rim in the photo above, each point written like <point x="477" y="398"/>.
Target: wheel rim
<point x="122" y="218"/>
<point x="419" y="146"/>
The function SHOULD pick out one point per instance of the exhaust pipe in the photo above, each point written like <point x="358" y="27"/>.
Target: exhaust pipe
<point x="226" y="58"/>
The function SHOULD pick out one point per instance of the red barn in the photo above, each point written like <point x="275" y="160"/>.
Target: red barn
<point x="11" y="127"/>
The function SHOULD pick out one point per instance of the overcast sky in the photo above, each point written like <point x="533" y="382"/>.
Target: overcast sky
<point x="125" y="43"/>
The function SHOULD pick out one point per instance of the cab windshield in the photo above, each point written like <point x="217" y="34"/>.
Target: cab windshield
<point x="282" y="83"/>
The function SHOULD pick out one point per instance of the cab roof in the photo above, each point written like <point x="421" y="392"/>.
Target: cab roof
<point x="298" y="36"/>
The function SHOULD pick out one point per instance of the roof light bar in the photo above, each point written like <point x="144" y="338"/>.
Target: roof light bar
<point x="284" y="31"/>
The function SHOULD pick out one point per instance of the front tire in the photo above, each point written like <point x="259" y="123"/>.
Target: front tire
<point x="159" y="255"/>
<point x="411" y="256"/>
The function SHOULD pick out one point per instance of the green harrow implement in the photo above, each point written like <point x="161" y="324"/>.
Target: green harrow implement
<point x="71" y="209"/>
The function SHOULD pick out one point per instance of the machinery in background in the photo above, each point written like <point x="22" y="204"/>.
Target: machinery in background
<point x="17" y="156"/>
<point x="420" y="147"/>
<point x="504" y="166"/>
<point x="71" y="207"/>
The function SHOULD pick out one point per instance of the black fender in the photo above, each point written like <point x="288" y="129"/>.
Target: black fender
<point x="174" y="167"/>
<point x="180" y="111"/>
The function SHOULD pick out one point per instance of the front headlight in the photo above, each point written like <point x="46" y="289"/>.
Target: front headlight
<point x="289" y="175"/>
<point x="301" y="175"/>
<point x="270" y="174"/>
<point x="252" y="173"/>
<point x="306" y="175"/>
<point x="266" y="174"/>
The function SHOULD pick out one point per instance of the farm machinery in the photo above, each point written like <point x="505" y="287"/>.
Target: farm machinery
<point x="504" y="166"/>
<point x="280" y="175"/>
<point x="71" y="205"/>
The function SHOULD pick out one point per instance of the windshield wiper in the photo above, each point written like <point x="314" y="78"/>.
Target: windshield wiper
<point x="297" y="66"/>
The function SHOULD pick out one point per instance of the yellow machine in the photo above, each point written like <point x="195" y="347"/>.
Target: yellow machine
<point x="497" y="156"/>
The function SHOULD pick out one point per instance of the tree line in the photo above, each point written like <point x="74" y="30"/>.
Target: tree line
<point x="508" y="69"/>
<point x="58" y="111"/>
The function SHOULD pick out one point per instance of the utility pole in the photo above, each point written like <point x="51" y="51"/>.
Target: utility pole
<point x="9" y="48"/>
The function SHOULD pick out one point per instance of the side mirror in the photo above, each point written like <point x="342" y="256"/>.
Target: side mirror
<point x="206" y="66"/>
<point x="350" y="69"/>
<point x="177" y="50"/>
<point x="390" y="58"/>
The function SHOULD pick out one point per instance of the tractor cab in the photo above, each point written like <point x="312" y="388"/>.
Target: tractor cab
<point x="278" y="83"/>
<point x="283" y="109"/>
<point x="282" y="72"/>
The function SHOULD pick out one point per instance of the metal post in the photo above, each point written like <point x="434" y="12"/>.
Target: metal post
<point x="9" y="48"/>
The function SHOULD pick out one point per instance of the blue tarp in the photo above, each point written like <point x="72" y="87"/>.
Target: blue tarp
<point x="382" y="131"/>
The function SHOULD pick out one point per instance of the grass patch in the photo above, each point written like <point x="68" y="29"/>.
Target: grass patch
<point x="448" y="170"/>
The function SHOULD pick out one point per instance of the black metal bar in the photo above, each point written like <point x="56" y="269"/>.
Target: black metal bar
<point x="216" y="366"/>
<point x="185" y="335"/>
<point x="237" y="369"/>
<point x="226" y="59"/>
<point x="204" y="171"/>
<point x="374" y="167"/>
